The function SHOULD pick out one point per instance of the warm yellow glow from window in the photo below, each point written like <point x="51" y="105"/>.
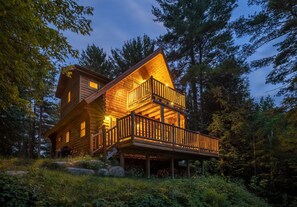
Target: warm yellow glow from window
<point x="83" y="129"/>
<point x="67" y="136"/>
<point x="106" y="118"/>
<point x="69" y="97"/>
<point x="93" y="85"/>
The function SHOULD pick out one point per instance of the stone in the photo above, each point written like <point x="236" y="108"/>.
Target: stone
<point x="80" y="171"/>
<point x="103" y="172"/>
<point x="116" y="171"/>
<point x="16" y="172"/>
<point x="61" y="163"/>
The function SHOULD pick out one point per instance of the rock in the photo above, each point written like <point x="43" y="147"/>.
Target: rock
<point x="103" y="172"/>
<point x="61" y="163"/>
<point x="116" y="171"/>
<point x="96" y="162"/>
<point x="80" y="171"/>
<point x="16" y="172"/>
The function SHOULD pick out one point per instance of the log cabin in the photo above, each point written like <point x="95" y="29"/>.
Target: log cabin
<point x="138" y="115"/>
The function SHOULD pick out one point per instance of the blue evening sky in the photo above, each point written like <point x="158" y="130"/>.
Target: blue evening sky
<point x="116" y="21"/>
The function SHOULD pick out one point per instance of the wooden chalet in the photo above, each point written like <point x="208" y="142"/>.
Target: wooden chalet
<point x="138" y="115"/>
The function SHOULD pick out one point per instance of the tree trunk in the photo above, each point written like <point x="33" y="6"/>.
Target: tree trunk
<point x="32" y="141"/>
<point x="40" y="129"/>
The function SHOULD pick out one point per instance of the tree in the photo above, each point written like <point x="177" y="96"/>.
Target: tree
<point x="32" y="43"/>
<point x="198" y="37"/>
<point x="32" y="50"/>
<point x="95" y="59"/>
<point x="229" y="106"/>
<point x="275" y="23"/>
<point x="132" y="52"/>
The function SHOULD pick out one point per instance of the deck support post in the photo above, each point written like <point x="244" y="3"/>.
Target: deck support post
<point x="148" y="166"/>
<point x="172" y="168"/>
<point x="162" y="120"/>
<point x="178" y="119"/>
<point x="202" y="167"/>
<point x="122" y="160"/>
<point x="188" y="169"/>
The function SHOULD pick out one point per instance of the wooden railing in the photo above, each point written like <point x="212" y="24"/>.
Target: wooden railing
<point x="153" y="88"/>
<point x="146" y="129"/>
<point x="104" y="139"/>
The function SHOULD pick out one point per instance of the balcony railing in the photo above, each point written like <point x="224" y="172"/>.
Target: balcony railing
<point x="141" y="128"/>
<point x="154" y="89"/>
<point x="135" y="128"/>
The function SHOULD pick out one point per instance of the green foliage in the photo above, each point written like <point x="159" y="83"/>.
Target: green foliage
<point x="56" y="188"/>
<point x="32" y="44"/>
<point x="132" y="52"/>
<point x="274" y="24"/>
<point x="95" y="59"/>
<point x="198" y="37"/>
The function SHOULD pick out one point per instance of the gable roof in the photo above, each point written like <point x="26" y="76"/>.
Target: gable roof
<point x="138" y="65"/>
<point x="82" y="70"/>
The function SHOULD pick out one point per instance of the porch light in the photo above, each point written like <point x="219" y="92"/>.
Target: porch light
<point x="172" y="103"/>
<point x="166" y="84"/>
<point x="143" y="81"/>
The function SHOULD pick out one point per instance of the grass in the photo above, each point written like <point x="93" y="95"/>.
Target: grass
<point x="44" y="187"/>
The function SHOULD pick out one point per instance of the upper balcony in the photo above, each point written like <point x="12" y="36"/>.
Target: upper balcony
<point x="154" y="90"/>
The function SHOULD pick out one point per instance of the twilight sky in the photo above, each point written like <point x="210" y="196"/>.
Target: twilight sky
<point x="116" y="21"/>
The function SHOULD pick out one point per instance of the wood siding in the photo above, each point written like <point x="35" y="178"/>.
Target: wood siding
<point x="73" y="86"/>
<point x="85" y="89"/>
<point x="79" y="145"/>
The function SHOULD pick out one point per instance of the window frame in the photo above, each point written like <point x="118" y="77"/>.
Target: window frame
<point x="67" y="136"/>
<point x="69" y="97"/>
<point x="94" y="84"/>
<point x="82" y="132"/>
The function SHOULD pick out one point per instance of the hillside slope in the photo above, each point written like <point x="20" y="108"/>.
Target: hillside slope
<point x="44" y="187"/>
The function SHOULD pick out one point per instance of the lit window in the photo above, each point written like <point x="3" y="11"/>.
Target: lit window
<point x="83" y="129"/>
<point x="69" y="97"/>
<point x="67" y="136"/>
<point x="93" y="85"/>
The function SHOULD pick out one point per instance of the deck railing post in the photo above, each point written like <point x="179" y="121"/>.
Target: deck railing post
<point x="104" y="141"/>
<point x="118" y="133"/>
<point x="132" y="125"/>
<point x="152" y="86"/>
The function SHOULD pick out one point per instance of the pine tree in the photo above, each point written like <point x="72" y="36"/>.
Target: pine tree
<point x="96" y="59"/>
<point x="132" y="52"/>
<point x="197" y="37"/>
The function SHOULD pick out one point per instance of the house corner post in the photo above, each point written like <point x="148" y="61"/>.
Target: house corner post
<point x="104" y="142"/>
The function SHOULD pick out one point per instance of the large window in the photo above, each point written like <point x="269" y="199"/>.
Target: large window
<point x="93" y="85"/>
<point x="69" y="96"/>
<point x="67" y="137"/>
<point x="83" y="129"/>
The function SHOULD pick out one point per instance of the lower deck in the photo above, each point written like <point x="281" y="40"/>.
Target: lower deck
<point x="148" y="136"/>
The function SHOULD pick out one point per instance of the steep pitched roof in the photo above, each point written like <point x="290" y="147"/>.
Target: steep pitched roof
<point x="112" y="83"/>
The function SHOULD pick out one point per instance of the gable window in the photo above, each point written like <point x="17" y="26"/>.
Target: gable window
<point x="83" y="129"/>
<point x="67" y="136"/>
<point x="69" y="96"/>
<point x="93" y="85"/>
